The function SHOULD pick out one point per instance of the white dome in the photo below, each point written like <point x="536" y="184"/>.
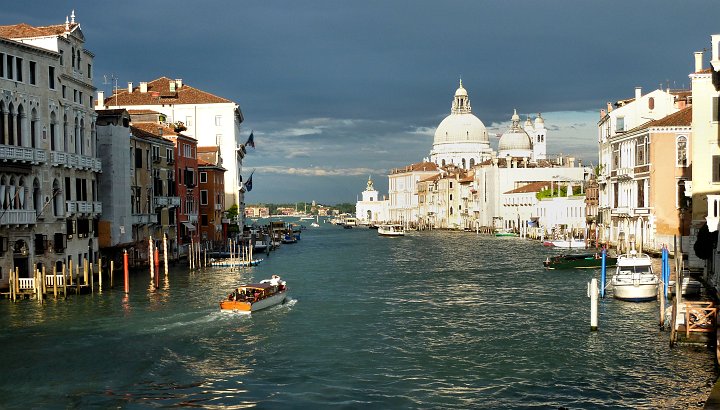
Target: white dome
<point x="461" y="128"/>
<point x="515" y="139"/>
<point x="539" y="120"/>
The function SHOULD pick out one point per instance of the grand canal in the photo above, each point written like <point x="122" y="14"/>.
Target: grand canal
<point x="431" y="320"/>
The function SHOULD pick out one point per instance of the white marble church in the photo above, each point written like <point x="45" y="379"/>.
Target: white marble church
<point x="371" y="209"/>
<point x="464" y="183"/>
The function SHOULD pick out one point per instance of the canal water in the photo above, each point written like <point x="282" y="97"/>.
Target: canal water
<point x="432" y="320"/>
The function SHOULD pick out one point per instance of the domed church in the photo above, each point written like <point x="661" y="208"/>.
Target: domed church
<point x="461" y="138"/>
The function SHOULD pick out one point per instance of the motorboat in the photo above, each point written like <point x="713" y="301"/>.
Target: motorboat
<point x="316" y="223"/>
<point x="634" y="279"/>
<point x="256" y="296"/>
<point x="289" y="238"/>
<point x="573" y="243"/>
<point x="505" y="232"/>
<point x="690" y="287"/>
<point x="391" y="230"/>
<point x="234" y="262"/>
<point x="578" y="261"/>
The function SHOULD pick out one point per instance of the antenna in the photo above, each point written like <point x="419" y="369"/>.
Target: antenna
<point x="114" y="81"/>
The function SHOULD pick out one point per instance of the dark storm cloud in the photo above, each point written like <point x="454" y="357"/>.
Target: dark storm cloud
<point x="339" y="87"/>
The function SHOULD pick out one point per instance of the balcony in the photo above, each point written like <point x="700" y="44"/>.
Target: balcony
<point x="67" y="160"/>
<point x="620" y="211"/>
<point x="143" y="219"/>
<point x="193" y="218"/>
<point x="97" y="207"/>
<point x="166" y="201"/>
<point x="17" y="217"/>
<point x="625" y="173"/>
<point x="22" y="154"/>
<point x="70" y="208"/>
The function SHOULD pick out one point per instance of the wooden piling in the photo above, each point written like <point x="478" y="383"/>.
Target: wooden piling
<point x="150" y="257"/>
<point x="126" y="272"/>
<point x="100" y="275"/>
<point x="70" y="271"/>
<point x="17" y="284"/>
<point x="64" y="281"/>
<point x="55" y="281"/>
<point x="165" y="253"/>
<point x="112" y="270"/>
<point x="44" y="284"/>
<point x="85" y="271"/>
<point x="92" y="278"/>
<point x="594" y="305"/>
<point x="661" y="297"/>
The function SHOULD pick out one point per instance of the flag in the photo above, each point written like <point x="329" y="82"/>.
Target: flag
<point x="248" y="183"/>
<point x="251" y="140"/>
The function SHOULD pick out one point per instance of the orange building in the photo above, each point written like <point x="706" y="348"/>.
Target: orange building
<point x="212" y="198"/>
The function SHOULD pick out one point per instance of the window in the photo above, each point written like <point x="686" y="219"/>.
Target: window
<point x="641" y="193"/>
<point x="218" y="138"/>
<point x="2" y="64"/>
<point x="89" y="73"/>
<point x="203" y="177"/>
<point x="218" y="120"/>
<point x="189" y="121"/>
<point x="641" y="152"/>
<point x="716" y="168"/>
<point x="715" y="105"/>
<point x="681" y="151"/>
<point x="651" y="103"/>
<point x="33" y="73"/>
<point x="18" y="62"/>
<point x="138" y="157"/>
<point x="203" y="197"/>
<point x="10" y="63"/>
<point x="51" y="77"/>
<point x="204" y="220"/>
<point x="64" y="91"/>
<point x="62" y="54"/>
<point x="620" y="124"/>
<point x="169" y="155"/>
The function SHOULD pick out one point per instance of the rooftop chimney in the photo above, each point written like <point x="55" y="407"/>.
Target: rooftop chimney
<point x="100" y="99"/>
<point x="609" y="107"/>
<point x="178" y="82"/>
<point x="602" y="114"/>
<point x="698" y="61"/>
<point x="143" y="87"/>
<point x="130" y="87"/>
<point x="638" y="93"/>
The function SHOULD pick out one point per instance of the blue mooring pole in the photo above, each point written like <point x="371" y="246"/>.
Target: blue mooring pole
<point x="666" y="269"/>
<point x="603" y="268"/>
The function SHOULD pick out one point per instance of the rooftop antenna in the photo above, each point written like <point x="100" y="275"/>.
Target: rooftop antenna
<point x="112" y="80"/>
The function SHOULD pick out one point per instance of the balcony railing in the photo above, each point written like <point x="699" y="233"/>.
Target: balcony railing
<point x="68" y="160"/>
<point x="22" y="154"/>
<point x="192" y="218"/>
<point x="143" y="219"/>
<point x="169" y="201"/>
<point x="97" y="207"/>
<point x="17" y="217"/>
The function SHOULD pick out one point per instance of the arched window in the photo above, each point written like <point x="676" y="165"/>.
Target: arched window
<point x="681" y="151"/>
<point x="34" y="129"/>
<point x="651" y="103"/>
<point x="463" y="163"/>
<point x="472" y="162"/>
<point x="37" y="202"/>
<point x="443" y="163"/>
<point x="53" y="130"/>
<point x="57" y="199"/>
<point x="82" y="136"/>
<point x="20" y="125"/>
<point x="66" y="134"/>
<point x="77" y="136"/>
<point x="3" y="119"/>
<point x="11" y="124"/>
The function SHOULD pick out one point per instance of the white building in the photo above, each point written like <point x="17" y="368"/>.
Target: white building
<point x="48" y="149"/>
<point x="402" y="190"/>
<point x="211" y="120"/>
<point x="371" y="209"/>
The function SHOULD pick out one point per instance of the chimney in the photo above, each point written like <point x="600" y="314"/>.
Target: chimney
<point x="602" y="114"/>
<point x="571" y="162"/>
<point x="609" y="107"/>
<point x="178" y="82"/>
<point x="143" y="87"/>
<point x="698" y="61"/>
<point x="100" y="99"/>
<point x="130" y="87"/>
<point x="638" y="93"/>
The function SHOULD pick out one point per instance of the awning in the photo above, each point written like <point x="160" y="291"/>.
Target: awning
<point x="189" y="226"/>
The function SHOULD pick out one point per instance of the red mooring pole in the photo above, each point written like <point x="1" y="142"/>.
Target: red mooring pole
<point x="127" y="274"/>
<point x="157" y="267"/>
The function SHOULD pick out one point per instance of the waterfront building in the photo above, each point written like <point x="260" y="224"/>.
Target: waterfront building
<point x="212" y="196"/>
<point x="626" y="139"/>
<point x="138" y="187"/>
<point x="705" y="187"/>
<point x="257" y="211"/>
<point x="402" y="190"/>
<point x="207" y="118"/>
<point x="465" y="187"/>
<point x="48" y="149"/>
<point x="371" y="209"/>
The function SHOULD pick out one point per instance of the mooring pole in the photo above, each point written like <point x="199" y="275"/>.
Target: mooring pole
<point x="593" y="304"/>
<point x="126" y="272"/>
<point x="603" y="272"/>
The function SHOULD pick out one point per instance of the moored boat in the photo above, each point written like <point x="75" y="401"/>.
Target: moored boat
<point x="505" y="232"/>
<point x="391" y="230"/>
<point x="690" y="287"/>
<point x="566" y="244"/>
<point x="634" y="279"/>
<point x="578" y="261"/>
<point x="256" y="296"/>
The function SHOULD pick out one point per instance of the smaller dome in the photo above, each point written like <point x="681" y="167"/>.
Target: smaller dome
<point x="461" y="92"/>
<point x="515" y="138"/>
<point x="528" y="124"/>
<point x="539" y="120"/>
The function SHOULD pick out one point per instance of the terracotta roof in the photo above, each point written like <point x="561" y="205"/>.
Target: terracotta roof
<point x="531" y="187"/>
<point x="208" y="148"/>
<point x="24" y="30"/>
<point x="682" y="118"/>
<point x="431" y="178"/>
<point x="143" y="112"/>
<point x="418" y="166"/>
<point x="158" y="92"/>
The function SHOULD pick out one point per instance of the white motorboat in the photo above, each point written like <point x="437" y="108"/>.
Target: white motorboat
<point x="567" y="244"/>
<point x="634" y="279"/>
<point x="391" y="230"/>
<point x="690" y="287"/>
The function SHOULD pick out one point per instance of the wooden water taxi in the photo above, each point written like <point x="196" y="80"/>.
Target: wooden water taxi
<point x="391" y="230"/>
<point x="256" y="296"/>
<point x="578" y="261"/>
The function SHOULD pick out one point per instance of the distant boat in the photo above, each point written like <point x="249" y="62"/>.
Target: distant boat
<point x="233" y="262"/>
<point x="578" y="261"/>
<point x="566" y="244"/>
<point x="391" y="230"/>
<point x="505" y="232"/>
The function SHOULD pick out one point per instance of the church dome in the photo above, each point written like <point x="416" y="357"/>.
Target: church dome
<point x="539" y="120"/>
<point x="515" y="139"/>
<point x="461" y="126"/>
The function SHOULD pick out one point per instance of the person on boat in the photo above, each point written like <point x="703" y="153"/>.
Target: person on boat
<point x="275" y="280"/>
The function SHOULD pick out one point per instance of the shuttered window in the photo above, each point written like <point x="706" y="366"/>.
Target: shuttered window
<point x="716" y="168"/>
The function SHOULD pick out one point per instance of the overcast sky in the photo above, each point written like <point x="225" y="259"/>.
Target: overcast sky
<point x="338" y="90"/>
